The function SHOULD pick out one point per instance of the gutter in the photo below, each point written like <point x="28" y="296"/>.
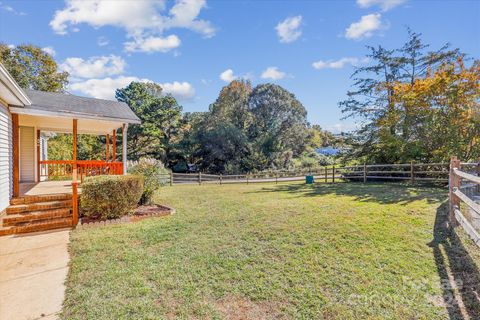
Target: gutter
<point x="69" y="115"/>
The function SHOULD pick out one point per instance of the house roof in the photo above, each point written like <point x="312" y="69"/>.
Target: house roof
<point x="10" y="91"/>
<point x="65" y="104"/>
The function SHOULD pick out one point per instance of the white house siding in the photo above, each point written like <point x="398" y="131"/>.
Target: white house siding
<point x="6" y="157"/>
<point x="27" y="154"/>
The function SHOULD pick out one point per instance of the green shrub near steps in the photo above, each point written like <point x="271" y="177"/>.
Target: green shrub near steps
<point x="154" y="176"/>
<point x="110" y="197"/>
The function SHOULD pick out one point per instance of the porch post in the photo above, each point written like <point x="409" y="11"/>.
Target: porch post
<point x="107" y="144"/>
<point x="16" y="156"/>
<point x="74" y="154"/>
<point x="38" y="155"/>
<point x="74" y="176"/>
<point x="114" y="145"/>
<point x="124" y="147"/>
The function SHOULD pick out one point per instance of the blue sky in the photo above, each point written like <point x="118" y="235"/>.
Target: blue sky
<point x="193" y="47"/>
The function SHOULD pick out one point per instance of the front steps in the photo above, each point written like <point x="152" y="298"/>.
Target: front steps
<point x="37" y="213"/>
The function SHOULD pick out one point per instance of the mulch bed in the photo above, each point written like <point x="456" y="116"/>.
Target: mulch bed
<point x="140" y="213"/>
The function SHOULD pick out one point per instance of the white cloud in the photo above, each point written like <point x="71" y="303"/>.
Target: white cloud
<point x="338" y="64"/>
<point x="273" y="73"/>
<point x="384" y="4"/>
<point x="141" y="19"/>
<point x="180" y="90"/>
<point x="152" y="44"/>
<point x="289" y="29"/>
<point x="228" y="75"/>
<point x="12" y="10"/>
<point x="94" y="67"/>
<point x="365" y="27"/>
<point x="50" y="51"/>
<point x="102" y="41"/>
<point x="105" y="88"/>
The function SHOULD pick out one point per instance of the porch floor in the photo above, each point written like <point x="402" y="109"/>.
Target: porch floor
<point x="46" y="187"/>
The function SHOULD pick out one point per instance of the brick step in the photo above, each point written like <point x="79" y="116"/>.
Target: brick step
<point x="20" y="219"/>
<point x="5" y="231"/>
<point x="44" y="225"/>
<point x="19" y="208"/>
<point x="41" y="198"/>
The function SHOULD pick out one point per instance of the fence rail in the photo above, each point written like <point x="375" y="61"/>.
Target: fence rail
<point x="413" y="172"/>
<point x="464" y="210"/>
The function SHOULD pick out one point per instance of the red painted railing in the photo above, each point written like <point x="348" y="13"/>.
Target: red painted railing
<point x="85" y="168"/>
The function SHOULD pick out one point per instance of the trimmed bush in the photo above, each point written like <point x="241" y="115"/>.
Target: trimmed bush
<point x="154" y="176"/>
<point x="110" y="197"/>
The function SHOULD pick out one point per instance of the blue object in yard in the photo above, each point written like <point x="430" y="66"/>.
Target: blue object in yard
<point x="309" y="179"/>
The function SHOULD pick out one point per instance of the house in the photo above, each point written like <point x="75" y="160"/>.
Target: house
<point x="34" y="193"/>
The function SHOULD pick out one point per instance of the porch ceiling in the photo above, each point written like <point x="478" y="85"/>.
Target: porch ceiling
<point x="65" y="124"/>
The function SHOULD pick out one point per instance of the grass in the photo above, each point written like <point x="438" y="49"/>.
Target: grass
<point x="266" y="251"/>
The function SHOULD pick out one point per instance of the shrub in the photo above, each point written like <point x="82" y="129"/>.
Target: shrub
<point x="154" y="176"/>
<point x="110" y="197"/>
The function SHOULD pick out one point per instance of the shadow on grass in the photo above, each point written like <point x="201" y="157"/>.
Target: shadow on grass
<point x="385" y="193"/>
<point x="459" y="274"/>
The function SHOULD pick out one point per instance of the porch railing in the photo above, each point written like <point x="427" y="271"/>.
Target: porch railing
<point x="52" y="169"/>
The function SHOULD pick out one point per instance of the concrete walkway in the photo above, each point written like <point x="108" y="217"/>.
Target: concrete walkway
<point x="33" y="269"/>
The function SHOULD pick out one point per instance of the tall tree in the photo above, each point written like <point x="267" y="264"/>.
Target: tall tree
<point x="385" y="127"/>
<point x="445" y="105"/>
<point x="33" y="68"/>
<point x="161" y="121"/>
<point x="279" y="130"/>
<point x="232" y="104"/>
<point x="221" y="136"/>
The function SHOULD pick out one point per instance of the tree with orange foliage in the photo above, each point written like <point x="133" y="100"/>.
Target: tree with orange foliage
<point x="443" y="112"/>
<point x="414" y="104"/>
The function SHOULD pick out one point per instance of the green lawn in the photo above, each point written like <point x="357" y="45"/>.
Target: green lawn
<point x="266" y="251"/>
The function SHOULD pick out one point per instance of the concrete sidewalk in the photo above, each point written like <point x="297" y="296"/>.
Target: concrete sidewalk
<point x="33" y="269"/>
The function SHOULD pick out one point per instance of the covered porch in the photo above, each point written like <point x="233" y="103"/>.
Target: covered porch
<point x="46" y="187"/>
<point x="37" y="193"/>
<point x="32" y="168"/>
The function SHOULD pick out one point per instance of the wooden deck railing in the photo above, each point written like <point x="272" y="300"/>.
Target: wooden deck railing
<point x="64" y="168"/>
<point x="463" y="177"/>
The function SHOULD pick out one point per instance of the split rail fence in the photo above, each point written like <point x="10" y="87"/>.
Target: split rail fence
<point x="464" y="196"/>
<point x="413" y="172"/>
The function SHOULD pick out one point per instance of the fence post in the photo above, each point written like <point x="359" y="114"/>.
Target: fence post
<point x="364" y="172"/>
<point x="412" y="173"/>
<point x="247" y="177"/>
<point x="478" y="173"/>
<point x="333" y="174"/>
<point x="276" y="177"/>
<point x="220" y="178"/>
<point x="171" y="179"/>
<point x="453" y="183"/>
<point x="326" y="172"/>
<point x="199" y="178"/>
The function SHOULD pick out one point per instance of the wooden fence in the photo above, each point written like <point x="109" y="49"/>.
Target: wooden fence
<point x="464" y="196"/>
<point x="412" y="172"/>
